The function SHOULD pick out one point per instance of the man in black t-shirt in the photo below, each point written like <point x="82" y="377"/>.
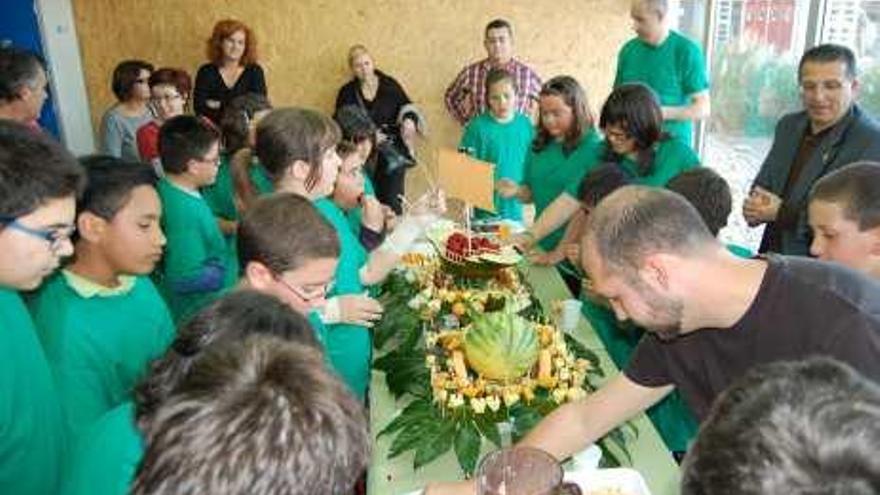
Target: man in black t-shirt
<point x="710" y="316"/>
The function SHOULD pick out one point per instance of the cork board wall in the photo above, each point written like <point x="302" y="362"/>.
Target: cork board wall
<point x="303" y="43"/>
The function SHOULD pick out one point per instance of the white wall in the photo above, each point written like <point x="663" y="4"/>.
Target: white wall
<point x="66" y="75"/>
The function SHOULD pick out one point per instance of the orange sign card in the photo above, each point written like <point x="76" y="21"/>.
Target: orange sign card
<point x="466" y="178"/>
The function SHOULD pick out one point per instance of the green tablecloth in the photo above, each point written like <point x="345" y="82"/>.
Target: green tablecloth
<point x="397" y="477"/>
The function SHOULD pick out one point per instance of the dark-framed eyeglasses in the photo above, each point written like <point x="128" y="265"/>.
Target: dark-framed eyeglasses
<point x="56" y="237"/>
<point x="305" y="296"/>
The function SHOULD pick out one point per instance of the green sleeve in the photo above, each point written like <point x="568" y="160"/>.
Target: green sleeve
<point x="106" y="457"/>
<point x="471" y="137"/>
<point x="219" y="195"/>
<point x="32" y="441"/>
<point x="694" y="78"/>
<point x="528" y="179"/>
<point x="572" y="188"/>
<point x="193" y="237"/>
<point x="618" y="74"/>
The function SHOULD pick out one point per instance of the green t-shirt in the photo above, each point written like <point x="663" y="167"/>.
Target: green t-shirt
<point x="675" y="70"/>
<point x="550" y="172"/>
<point x="671" y="416"/>
<point x="671" y="157"/>
<point x="220" y="195"/>
<point x="348" y="346"/>
<point x="505" y="144"/>
<point x="106" y="456"/>
<point x="98" y="341"/>
<point x="193" y="239"/>
<point x="32" y="439"/>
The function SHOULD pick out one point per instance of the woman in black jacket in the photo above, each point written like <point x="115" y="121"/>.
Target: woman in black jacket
<point x="395" y="116"/>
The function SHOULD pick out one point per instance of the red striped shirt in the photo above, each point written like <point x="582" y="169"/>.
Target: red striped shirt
<point x="466" y="96"/>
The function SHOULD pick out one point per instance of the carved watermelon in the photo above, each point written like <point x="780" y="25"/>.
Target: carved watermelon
<point x="501" y="345"/>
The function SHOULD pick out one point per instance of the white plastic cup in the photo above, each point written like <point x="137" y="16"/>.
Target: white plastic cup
<point x="570" y="313"/>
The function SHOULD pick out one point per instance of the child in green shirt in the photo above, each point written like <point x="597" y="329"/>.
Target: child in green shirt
<point x="237" y="163"/>
<point x="710" y="194"/>
<point x="101" y="320"/>
<point x="358" y="147"/>
<point x="354" y="195"/>
<point x="501" y="136"/>
<point x="843" y="214"/>
<point x="632" y="122"/>
<point x="565" y="149"/>
<point x="197" y="266"/>
<point x="39" y="182"/>
<point x="288" y="250"/>
<point x="107" y="454"/>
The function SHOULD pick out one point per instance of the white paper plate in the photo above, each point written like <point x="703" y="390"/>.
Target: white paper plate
<point x="628" y="481"/>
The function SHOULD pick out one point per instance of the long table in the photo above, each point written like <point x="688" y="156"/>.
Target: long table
<point x="397" y="477"/>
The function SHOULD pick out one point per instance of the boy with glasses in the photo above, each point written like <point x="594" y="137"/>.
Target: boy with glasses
<point x="287" y="249"/>
<point x="101" y="320"/>
<point x="39" y="183"/>
<point x="197" y="266"/>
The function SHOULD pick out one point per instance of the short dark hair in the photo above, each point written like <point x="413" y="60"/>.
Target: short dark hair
<point x="572" y="93"/>
<point x="290" y="134"/>
<point x="708" y="192"/>
<point x="110" y="183"/>
<point x="228" y="319"/>
<point x="800" y="428"/>
<point x="18" y="68"/>
<point x="636" y="109"/>
<point x="125" y="76"/>
<point x="237" y="116"/>
<point x="261" y="417"/>
<point x="34" y="169"/>
<point x="496" y="75"/>
<point x="283" y="231"/>
<point x="856" y="188"/>
<point x="830" y="52"/>
<point x="184" y="138"/>
<point x="635" y="221"/>
<point x="602" y="181"/>
<point x="498" y="24"/>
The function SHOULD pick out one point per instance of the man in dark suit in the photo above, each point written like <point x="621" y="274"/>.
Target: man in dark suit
<point x="831" y="131"/>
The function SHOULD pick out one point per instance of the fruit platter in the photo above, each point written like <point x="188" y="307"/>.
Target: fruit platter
<point x="471" y="254"/>
<point x="474" y="360"/>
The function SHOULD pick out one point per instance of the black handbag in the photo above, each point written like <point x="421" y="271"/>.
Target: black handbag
<point x="393" y="152"/>
<point x="393" y="156"/>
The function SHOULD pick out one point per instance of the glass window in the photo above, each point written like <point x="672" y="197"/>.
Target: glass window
<point x="856" y="24"/>
<point x="757" y="46"/>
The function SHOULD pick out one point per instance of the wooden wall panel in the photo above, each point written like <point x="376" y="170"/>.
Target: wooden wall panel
<point x="303" y="43"/>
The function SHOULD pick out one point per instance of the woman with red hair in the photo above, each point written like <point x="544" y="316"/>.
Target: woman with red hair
<point x="232" y="70"/>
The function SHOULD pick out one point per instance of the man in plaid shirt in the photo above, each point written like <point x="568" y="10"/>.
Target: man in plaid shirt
<point x="466" y="96"/>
